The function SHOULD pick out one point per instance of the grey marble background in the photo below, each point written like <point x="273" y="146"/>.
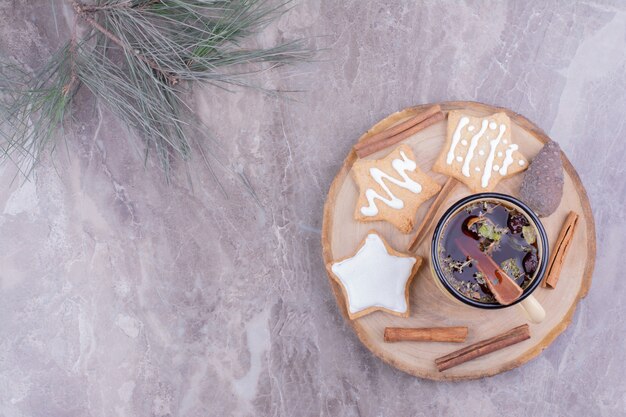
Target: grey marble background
<point x="123" y="296"/>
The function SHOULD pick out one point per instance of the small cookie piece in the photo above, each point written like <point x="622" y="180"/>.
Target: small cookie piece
<point x="479" y="151"/>
<point x="391" y="188"/>
<point x="542" y="187"/>
<point x="375" y="278"/>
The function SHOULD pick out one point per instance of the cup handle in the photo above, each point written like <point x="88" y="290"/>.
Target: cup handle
<point x="533" y="310"/>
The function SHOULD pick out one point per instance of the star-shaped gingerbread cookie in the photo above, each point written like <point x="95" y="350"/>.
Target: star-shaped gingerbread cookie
<point x="479" y="151"/>
<point x="391" y="188"/>
<point x="375" y="278"/>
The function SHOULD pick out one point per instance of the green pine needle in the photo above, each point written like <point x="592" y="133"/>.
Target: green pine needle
<point x="136" y="57"/>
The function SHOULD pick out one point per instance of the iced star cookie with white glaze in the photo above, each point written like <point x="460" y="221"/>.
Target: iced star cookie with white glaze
<point x="392" y="188"/>
<point x="479" y="151"/>
<point x="376" y="277"/>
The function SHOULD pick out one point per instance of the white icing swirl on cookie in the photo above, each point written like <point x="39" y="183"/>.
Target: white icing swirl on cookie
<point x="470" y="152"/>
<point x="508" y="159"/>
<point x="456" y="136"/>
<point x="492" y="153"/>
<point x="400" y="166"/>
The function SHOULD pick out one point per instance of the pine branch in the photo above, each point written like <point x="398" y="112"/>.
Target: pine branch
<point x="69" y="87"/>
<point x="122" y="4"/>
<point x="162" y="43"/>
<point x="81" y="11"/>
<point x="34" y="107"/>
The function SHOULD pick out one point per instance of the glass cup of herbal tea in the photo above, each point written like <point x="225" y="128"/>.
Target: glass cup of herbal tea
<point x="483" y="236"/>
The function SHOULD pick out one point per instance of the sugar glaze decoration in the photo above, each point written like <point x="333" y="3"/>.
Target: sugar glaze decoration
<point x="470" y="152"/>
<point x="392" y="188"/>
<point x="376" y="278"/>
<point x="400" y="166"/>
<point x="456" y="136"/>
<point x="479" y="151"/>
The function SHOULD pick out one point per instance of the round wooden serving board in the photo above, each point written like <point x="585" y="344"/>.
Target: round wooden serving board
<point x="429" y="307"/>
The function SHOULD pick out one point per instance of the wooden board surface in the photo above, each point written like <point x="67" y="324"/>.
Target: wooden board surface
<point x="430" y="307"/>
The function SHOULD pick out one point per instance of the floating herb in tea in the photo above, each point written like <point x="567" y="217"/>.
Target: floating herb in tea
<point x="511" y="268"/>
<point x="528" y="232"/>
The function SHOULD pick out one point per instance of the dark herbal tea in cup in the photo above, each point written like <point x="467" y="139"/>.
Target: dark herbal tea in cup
<point x="499" y="231"/>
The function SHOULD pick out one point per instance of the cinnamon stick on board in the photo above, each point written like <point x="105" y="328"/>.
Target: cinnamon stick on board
<point x="429" y="218"/>
<point x="368" y="146"/>
<point x="511" y="337"/>
<point x="562" y="244"/>
<point x="400" y="127"/>
<point x="425" y="334"/>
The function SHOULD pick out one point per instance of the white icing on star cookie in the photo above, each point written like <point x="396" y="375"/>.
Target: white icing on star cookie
<point x="376" y="278"/>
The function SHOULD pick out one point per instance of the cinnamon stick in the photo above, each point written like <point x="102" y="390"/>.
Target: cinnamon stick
<point x="476" y="350"/>
<point x="426" y="334"/>
<point x="562" y="244"/>
<point x="400" y="127"/>
<point x="368" y="147"/>
<point x="429" y="218"/>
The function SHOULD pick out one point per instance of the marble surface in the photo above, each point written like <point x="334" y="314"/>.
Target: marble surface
<point x="121" y="295"/>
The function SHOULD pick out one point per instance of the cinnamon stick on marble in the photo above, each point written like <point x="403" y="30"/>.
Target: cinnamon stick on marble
<point x="484" y="347"/>
<point x="429" y="219"/>
<point x="562" y="244"/>
<point x="426" y="334"/>
<point x="399" y="132"/>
